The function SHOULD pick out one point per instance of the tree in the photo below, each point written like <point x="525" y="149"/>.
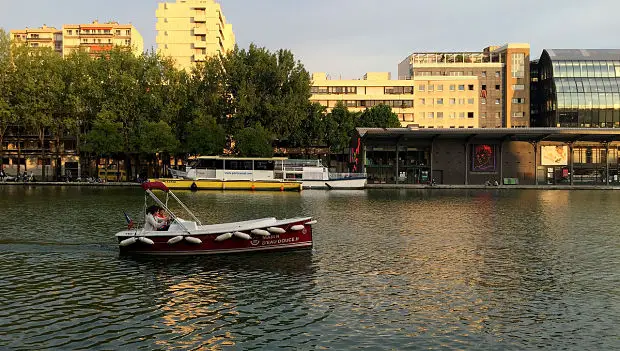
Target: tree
<point x="6" y="108"/>
<point x="340" y="126"/>
<point x="254" y="142"/>
<point x="379" y="116"/>
<point x="267" y="88"/>
<point x="157" y="138"/>
<point x="312" y="131"/>
<point x="105" y="138"/>
<point x="205" y="137"/>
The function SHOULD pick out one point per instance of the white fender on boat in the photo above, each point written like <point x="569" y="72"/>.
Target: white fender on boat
<point x="275" y="230"/>
<point x="297" y="227"/>
<point x="192" y="240"/>
<point x="175" y="240"/>
<point x="261" y="232"/>
<point x="223" y="237"/>
<point x="243" y="236"/>
<point x="146" y="240"/>
<point x="311" y="222"/>
<point x="129" y="241"/>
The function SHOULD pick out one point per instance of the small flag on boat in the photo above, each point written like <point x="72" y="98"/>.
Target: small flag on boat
<point x="129" y="221"/>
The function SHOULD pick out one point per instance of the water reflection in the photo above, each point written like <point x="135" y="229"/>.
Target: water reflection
<point x="397" y="269"/>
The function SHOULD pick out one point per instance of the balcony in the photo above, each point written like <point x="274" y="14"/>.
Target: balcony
<point x="200" y="45"/>
<point x="200" y="57"/>
<point x="200" y="31"/>
<point x="200" y="18"/>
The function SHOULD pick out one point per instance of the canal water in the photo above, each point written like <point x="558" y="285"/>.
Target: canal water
<point x="390" y="269"/>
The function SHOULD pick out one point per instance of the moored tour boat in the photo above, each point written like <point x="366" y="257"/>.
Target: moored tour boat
<point x="185" y="237"/>
<point x="275" y="173"/>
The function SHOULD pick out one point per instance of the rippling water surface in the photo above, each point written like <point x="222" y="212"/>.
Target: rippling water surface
<point x="414" y="269"/>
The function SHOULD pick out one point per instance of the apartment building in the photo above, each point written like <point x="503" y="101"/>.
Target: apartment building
<point x="425" y="102"/>
<point x="96" y="37"/>
<point x="93" y="38"/>
<point x="189" y="31"/>
<point x="43" y="37"/>
<point x="501" y="74"/>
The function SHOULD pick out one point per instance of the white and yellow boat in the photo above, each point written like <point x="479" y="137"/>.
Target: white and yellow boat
<point x="215" y="184"/>
<point x="231" y="173"/>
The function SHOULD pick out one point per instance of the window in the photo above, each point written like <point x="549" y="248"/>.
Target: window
<point x="452" y="114"/>
<point x="440" y="101"/>
<point x="497" y="101"/>
<point x="497" y="87"/>
<point x="422" y="87"/>
<point x="470" y="101"/>
<point x="422" y="101"/>
<point x="430" y="115"/>
<point x="452" y="87"/>
<point x="461" y="101"/>
<point x="518" y="114"/>
<point x="118" y="32"/>
<point x="462" y="87"/>
<point x="470" y="115"/>
<point x="518" y="87"/>
<point x="483" y="101"/>
<point x="497" y="74"/>
<point x="440" y="87"/>
<point x="128" y="32"/>
<point x="484" y="73"/>
<point x="470" y="87"/>
<point x="70" y="32"/>
<point x="483" y="115"/>
<point x="518" y="101"/>
<point x="498" y="115"/>
<point x="452" y="101"/>
<point x="431" y="87"/>
<point x="461" y="114"/>
<point x="518" y="65"/>
<point x="439" y="114"/>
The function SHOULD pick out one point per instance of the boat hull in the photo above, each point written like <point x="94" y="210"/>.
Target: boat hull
<point x="208" y="184"/>
<point x="296" y="234"/>
<point x="344" y="183"/>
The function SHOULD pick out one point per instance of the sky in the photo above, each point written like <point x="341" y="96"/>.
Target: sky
<point x="347" y="38"/>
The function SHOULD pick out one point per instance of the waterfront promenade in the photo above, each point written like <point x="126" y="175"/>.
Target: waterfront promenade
<point x="368" y="186"/>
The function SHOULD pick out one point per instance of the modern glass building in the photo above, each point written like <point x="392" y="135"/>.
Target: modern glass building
<point x="578" y="89"/>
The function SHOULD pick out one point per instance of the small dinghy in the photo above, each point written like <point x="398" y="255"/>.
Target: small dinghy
<point x="191" y="237"/>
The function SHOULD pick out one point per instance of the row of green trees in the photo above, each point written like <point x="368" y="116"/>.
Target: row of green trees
<point x="141" y="108"/>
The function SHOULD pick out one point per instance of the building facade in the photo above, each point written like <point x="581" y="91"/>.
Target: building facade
<point x="93" y="38"/>
<point x="44" y="37"/>
<point x="501" y="74"/>
<point x="524" y="156"/>
<point x="96" y="37"/>
<point x="189" y="31"/>
<point x="426" y="102"/>
<point x="578" y="88"/>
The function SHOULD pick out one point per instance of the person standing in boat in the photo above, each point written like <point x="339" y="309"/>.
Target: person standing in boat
<point x="151" y="221"/>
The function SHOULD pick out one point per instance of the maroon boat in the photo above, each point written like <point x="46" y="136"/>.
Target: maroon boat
<point x="191" y="237"/>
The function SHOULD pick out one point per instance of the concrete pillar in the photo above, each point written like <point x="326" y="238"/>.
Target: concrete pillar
<point x="466" y="163"/>
<point x="501" y="162"/>
<point x="535" y="144"/>
<point x="572" y="163"/>
<point x="397" y="173"/>
<point x="606" y="163"/>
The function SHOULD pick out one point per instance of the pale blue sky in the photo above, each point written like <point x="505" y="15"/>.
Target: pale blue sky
<point x="347" y="38"/>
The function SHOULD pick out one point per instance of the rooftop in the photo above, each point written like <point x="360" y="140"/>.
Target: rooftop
<point x="583" y="54"/>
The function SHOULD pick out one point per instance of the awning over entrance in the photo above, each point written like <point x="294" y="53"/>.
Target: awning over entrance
<point x="564" y="135"/>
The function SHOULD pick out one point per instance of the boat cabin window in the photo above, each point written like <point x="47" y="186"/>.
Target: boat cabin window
<point x="239" y="165"/>
<point x="264" y="165"/>
<point x="202" y="163"/>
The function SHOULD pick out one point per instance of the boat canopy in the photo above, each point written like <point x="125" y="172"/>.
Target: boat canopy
<point x="155" y="185"/>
